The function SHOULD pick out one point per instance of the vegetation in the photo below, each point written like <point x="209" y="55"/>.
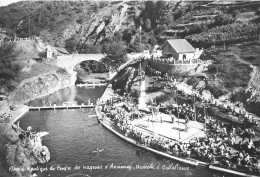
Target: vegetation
<point x="148" y="23"/>
<point x="9" y="68"/>
<point x="93" y="67"/>
<point x="226" y="33"/>
<point x="227" y="71"/>
<point x="30" y="18"/>
<point x="115" y="54"/>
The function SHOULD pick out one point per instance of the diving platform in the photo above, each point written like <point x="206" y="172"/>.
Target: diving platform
<point x="55" y="107"/>
<point x="91" y="85"/>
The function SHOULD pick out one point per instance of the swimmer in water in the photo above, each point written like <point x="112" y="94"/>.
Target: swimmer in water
<point x="98" y="150"/>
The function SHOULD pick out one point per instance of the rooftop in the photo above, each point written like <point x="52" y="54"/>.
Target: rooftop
<point x="181" y="45"/>
<point x="62" y="50"/>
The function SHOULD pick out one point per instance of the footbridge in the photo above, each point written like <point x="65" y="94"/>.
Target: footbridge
<point x="69" y="62"/>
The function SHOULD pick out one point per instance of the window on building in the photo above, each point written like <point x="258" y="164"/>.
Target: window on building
<point x="184" y="57"/>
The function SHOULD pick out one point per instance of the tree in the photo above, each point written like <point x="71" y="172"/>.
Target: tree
<point x="90" y="48"/>
<point x="9" y="69"/>
<point x="115" y="52"/>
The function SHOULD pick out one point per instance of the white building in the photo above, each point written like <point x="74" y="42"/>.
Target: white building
<point x="179" y="49"/>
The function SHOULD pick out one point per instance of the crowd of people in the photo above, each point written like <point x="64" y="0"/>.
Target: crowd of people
<point x="194" y="96"/>
<point x="219" y="147"/>
<point x="224" y="145"/>
<point x="240" y="115"/>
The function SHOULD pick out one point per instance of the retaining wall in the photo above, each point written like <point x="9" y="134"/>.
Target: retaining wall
<point x="171" y="68"/>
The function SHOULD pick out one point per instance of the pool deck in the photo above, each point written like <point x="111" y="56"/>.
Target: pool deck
<point x="161" y="124"/>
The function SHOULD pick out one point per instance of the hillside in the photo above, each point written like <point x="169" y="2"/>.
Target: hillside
<point x="28" y="49"/>
<point x="229" y="32"/>
<point x="93" y="22"/>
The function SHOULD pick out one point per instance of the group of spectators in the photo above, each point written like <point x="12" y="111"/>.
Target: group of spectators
<point x="240" y="113"/>
<point x="230" y="108"/>
<point x="219" y="147"/>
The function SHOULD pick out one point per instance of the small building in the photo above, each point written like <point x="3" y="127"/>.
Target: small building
<point x="53" y="52"/>
<point x="62" y="51"/>
<point x="179" y="49"/>
<point x="50" y="52"/>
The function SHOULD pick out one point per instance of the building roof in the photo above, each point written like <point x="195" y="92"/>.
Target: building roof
<point x="180" y="45"/>
<point x="62" y="50"/>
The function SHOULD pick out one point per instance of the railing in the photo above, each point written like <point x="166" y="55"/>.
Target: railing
<point x="179" y="62"/>
<point x="24" y="39"/>
<point x="19" y="39"/>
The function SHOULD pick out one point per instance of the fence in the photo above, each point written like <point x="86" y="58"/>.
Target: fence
<point x="24" y="39"/>
<point x="173" y="61"/>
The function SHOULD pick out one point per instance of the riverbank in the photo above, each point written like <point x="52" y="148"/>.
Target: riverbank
<point x="18" y="154"/>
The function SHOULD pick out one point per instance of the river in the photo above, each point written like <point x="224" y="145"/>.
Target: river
<point x="74" y="136"/>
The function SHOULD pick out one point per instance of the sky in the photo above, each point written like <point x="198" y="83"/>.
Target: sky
<point x="7" y="2"/>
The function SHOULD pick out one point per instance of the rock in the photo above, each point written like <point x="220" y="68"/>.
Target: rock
<point x="38" y="153"/>
<point x="39" y="86"/>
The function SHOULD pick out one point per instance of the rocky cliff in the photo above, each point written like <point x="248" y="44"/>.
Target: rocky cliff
<point x="16" y="154"/>
<point x="93" y="27"/>
<point x="39" y="86"/>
